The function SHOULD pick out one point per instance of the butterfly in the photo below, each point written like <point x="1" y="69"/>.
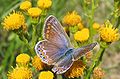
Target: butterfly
<point x="56" y="48"/>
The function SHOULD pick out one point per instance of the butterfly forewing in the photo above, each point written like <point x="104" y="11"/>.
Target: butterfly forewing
<point x="82" y="51"/>
<point x="53" y="31"/>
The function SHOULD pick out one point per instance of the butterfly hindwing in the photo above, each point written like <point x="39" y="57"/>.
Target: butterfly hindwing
<point x="48" y="52"/>
<point x="63" y="65"/>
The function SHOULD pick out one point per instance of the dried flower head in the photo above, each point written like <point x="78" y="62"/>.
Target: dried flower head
<point x="98" y="73"/>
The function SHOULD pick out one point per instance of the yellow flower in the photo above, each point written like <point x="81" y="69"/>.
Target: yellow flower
<point x="46" y="75"/>
<point x="96" y="26"/>
<point x="14" y="21"/>
<point x="80" y="25"/>
<point x="34" y="12"/>
<point x="43" y="4"/>
<point x="37" y="63"/>
<point x="20" y="73"/>
<point x="82" y="35"/>
<point x="25" y="5"/>
<point x="98" y="73"/>
<point x="23" y="59"/>
<point x="72" y="19"/>
<point x="76" y="70"/>
<point x="108" y="33"/>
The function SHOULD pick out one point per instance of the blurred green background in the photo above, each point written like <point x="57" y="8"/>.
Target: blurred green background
<point x="11" y="45"/>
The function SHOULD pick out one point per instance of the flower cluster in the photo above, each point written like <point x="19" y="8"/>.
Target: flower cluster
<point x="16" y="19"/>
<point x="21" y="71"/>
<point x="80" y="32"/>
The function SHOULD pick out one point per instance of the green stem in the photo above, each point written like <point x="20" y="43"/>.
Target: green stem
<point x="41" y="26"/>
<point x="96" y="62"/>
<point x="28" y="46"/>
<point x="92" y="20"/>
<point x="59" y="77"/>
<point x="42" y="19"/>
<point x="34" y="37"/>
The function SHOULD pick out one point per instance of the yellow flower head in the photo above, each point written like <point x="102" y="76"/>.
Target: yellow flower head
<point x="46" y="75"/>
<point x="23" y="59"/>
<point x="108" y="33"/>
<point x="14" y="21"/>
<point x="80" y="25"/>
<point x="96" y="26"/>
<point x="72" y="19"/>
<point x="37" y="63"/>
<point x="43" y="4"/>
<point x="82" y="35"/>
<point x="98" y="73"/>
<point x="25" y="5"/>
<point x="20" y="73"/>
<point x="34" y="12"/>
<point x="76" y="69"/>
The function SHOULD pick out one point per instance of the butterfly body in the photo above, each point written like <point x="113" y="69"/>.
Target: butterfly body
<point x="69" y="51"/>
<point x="56" y="48"/>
